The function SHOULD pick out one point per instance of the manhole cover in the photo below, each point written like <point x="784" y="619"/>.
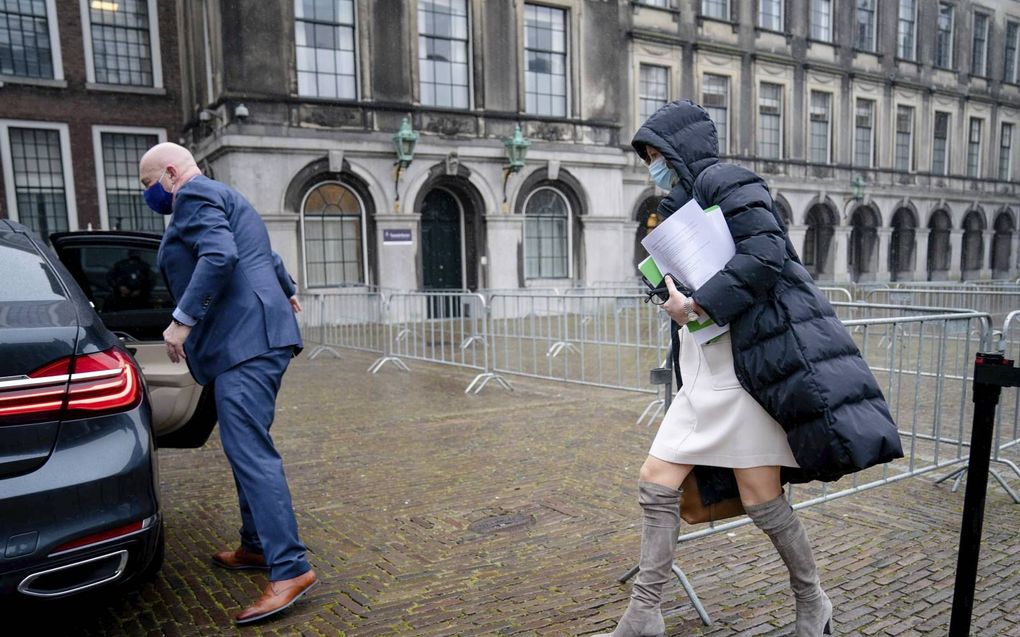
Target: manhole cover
<point x="499" y="523"/>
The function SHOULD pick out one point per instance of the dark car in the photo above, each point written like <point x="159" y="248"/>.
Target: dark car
<point x="86" y="396"/>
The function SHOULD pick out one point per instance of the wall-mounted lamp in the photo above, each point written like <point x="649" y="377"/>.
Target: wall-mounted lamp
<point x="857" y="188"/>
<point x="516" y="151"/>
<point x="404" y="140"/>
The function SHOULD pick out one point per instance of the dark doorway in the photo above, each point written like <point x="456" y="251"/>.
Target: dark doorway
<point x="1002" y="246"/>
<point x="901" y="246"/>
<point x="817" y="257"/>
<point x="863" y="257"/>
<point x="441" y="263"/>
<point x="940" y="250"/>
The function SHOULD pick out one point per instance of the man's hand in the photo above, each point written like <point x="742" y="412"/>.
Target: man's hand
<point x="174" y="337"/>
<point x="678" y="304"/>
<point x="295" y="304"/>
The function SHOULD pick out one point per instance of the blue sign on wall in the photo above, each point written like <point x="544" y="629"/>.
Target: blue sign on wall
<point x="396" y="236"/>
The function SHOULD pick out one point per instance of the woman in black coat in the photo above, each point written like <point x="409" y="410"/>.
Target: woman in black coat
<point x="821" y="414"/>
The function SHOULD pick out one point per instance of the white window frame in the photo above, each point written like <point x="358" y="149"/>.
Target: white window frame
<point x="874" y="28"/>
<point x="97" y="148"/>
<point x="417" y="60"/>
<point x="782" y="119"/>
<point x="874" y="124"/>
<point x="154" y="50"/>
<point x="913" y="52"/>
<point x="728" y="10"/>
<point x="973" y="36"/>
<point x="831" y="25"/>
<point x="911" y="165"/>
<point x="58" y="62"/>
<point x="65" y="162"/>
<point x="669" y="84"/>
<point x="952" y="35"/>
<point x="782" y="16"/>
<point x="947" y="160"/>
<point x="980" y="147"/>
<point x="364" y="234"/>
<point x="1016" y="51"/>
<point x="729" y="106"/>
<point x="570" y="234"/>
<point x="828" y="133"/>
<point x="568" y="64"/>
<point x="1009" y="154"/>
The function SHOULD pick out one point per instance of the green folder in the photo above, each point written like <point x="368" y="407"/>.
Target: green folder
<point x="651" y="271"/>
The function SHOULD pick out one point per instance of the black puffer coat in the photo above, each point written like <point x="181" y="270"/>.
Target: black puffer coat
<point x="790" y="351"/>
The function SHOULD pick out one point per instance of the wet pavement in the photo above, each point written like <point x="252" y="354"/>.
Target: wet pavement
<point x="430" y="512"/>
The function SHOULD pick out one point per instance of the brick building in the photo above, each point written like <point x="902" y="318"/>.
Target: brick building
<point x="85" y="87"/>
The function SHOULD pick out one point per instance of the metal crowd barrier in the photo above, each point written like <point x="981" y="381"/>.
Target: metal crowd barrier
<point x="344" y="318"/>
<point x="996" y="303"/>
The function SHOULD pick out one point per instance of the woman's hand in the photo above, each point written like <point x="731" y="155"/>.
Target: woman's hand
<point x="679" y="307"/>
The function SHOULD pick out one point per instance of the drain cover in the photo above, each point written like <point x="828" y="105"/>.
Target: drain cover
<point x="498" y="523"/>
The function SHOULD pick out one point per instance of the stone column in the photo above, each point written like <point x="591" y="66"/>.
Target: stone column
<point x="884" y="238"/>
<point x="504" y="234"/>
<point x="797" y="234"/>
<point x="399" y="262"/>
<point x="955" y="254"/>
<point x="986" y="260"/>
<point x="1014" y="255"/>
<point x="921" y="250"/>
<point x="841" y="250"/>
<point x="603" y="258"/>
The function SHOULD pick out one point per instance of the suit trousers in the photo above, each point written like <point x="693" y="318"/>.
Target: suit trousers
<point x="245" y="404"/>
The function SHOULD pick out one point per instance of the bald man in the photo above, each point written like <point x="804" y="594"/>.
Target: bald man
<point x="235" y="329"/>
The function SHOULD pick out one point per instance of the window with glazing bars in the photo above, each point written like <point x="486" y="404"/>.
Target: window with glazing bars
<point x="1010" y="64"/>
<point x="821" y="129"/>
<point x="25" y="49"/>
<point x="125" y="206"/>
<point x="979" y="58"/>
<point x="904" y="138"/>
<point x="719" y="9"/>
<point x="443" y="53"/>
<point x="121" y="47"/>
<point x="905" y="35"/>
<point x="1005" y="151"/>
<point x="864" y="33"/>
<point x="39" y="188"/>
<point x="324" y="38"/>
<point x="944" y="36"/>
<point x="546" y="238"/>
<point x="332" y="222"/>
<point x="665" y="4"/>
<point x="770" y="14"/>
<point x="974" y="148"/>
<point x="821" y="20"/>
<point x="770" y="121"/>
<point x="653" y="91"/>
<point x="864" y="142"/>
<point x="545" y="52"/>
<point x="715" y="97"/>
<point x="940" y="144"/>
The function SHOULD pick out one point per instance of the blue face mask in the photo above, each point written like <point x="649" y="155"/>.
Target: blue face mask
<point x="661" y="174"/>
<point x="158" y="198"/>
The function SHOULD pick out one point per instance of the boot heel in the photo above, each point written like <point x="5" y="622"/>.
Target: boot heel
<point x="828" y="628"/>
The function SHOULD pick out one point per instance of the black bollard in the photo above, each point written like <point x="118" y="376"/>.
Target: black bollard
<point x="992" y="372"/>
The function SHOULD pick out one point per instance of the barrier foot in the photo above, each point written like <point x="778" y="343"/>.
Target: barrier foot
<point x="378" y="364"/>
<point x="323" y="348"/>
<point x="688" y="588"/>
<point x="482" y="380"/>
<point x="657" y="404"/>
<point x="962" y="471"/>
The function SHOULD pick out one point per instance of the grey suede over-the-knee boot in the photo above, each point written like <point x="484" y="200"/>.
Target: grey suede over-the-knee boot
<point x="779" y="521"/>
<point x="661" y="523"/>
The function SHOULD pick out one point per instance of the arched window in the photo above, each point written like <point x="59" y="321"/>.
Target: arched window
<point x="1002" y="245"/>
<point x="820" y="223"/>
<point x="939" y="249"/>
<point x="547" y="230"/>
<point x="332" y="230"/>
<point x="901" y="249"/>
<point x="973" y="243"/>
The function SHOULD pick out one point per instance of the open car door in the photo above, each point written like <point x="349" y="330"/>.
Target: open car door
<point x="117" y="271"/>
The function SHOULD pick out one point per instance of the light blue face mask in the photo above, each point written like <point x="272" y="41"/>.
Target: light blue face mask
<point x="661" y="174"/>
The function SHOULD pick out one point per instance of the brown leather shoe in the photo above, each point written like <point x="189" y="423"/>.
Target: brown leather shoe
<point x="239" y="559"/>
<point x="277" y="596"/>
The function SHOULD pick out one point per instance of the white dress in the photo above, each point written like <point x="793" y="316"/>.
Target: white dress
<point x="713" y="421"/>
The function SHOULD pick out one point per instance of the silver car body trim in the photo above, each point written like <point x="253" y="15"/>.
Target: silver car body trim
<point x="24" y="586"/>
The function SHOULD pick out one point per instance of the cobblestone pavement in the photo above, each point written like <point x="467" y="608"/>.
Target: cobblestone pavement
<point x="399" y="479"/>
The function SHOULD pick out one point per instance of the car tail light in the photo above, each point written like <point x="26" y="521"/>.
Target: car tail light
<point x="103" y="382"/>
<point x="104" y="536"/>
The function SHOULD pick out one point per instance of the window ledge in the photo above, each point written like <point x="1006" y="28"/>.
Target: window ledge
<point x="32" y="81"/>
<point x="638" y="4"/>
<point x="867" y="52"/>
<point x="125" y="88"/>
<point x="702" y="19"/>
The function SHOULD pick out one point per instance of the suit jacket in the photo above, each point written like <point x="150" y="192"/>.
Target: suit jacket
<point x="218" y="264"/>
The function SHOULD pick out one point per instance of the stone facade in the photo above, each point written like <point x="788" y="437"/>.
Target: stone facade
<point x="573" y="215"/>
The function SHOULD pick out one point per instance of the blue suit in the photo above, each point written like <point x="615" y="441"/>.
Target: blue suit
<point x="218" y="263"/>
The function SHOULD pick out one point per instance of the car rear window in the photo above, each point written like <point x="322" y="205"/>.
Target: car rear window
<point x="24" y="274"/>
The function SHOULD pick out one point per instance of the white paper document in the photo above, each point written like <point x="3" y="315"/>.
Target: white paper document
<point x="693" y="245"/>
